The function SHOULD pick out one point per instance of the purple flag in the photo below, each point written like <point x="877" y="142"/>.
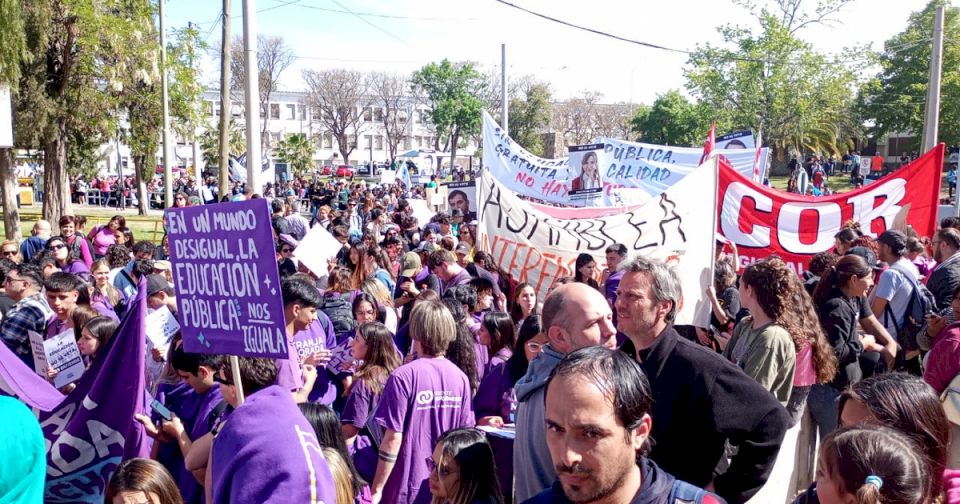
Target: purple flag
<point x="92" y="429"/>
<point x="228" y="286"/>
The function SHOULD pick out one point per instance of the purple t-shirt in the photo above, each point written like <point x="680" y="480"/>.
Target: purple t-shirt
<point x="360" y="404"/>
<point x="422" y="400"/>
<point x="313" y="339"/>
<point x="268" y="453"/>
<point x="192" y="491"/>
<point x="495" y="395"/>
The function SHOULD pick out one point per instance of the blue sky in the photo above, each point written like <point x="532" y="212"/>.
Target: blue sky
<point x="403" y="35"/>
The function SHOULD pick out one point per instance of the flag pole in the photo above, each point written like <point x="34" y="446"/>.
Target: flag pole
<point x="235" y="369"/>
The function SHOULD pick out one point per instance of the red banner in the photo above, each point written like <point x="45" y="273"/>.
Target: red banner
<point x="764" y="221"/>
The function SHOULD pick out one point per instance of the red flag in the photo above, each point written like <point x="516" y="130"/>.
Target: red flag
<point x="756" y="160"/>
<point x="711" y="142"/>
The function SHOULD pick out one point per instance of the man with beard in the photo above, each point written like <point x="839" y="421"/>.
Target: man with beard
<point x="701" y="401"/>
<point x="574" y="316"/>
<point x="945" y="278"/>
<point x="598" y="428"/>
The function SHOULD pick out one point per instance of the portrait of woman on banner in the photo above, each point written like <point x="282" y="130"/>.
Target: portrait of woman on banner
<point x="589" y="174"/>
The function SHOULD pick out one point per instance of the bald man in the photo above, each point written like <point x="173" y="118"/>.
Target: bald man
<point x="37" y="242"/>
<point x="574" y="316"/>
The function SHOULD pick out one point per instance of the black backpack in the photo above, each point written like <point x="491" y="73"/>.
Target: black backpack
<point x="921" y="304"/>
<point x="340" y="311"/>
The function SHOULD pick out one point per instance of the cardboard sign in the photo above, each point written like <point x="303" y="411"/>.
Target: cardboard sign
<point x="316" y="249"/>
<point x="342" y="356"/>
<point x="39" y="354"/>
<point x="228" y="286"/>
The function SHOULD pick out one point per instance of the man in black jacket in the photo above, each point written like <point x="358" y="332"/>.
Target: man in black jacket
<point x="945" y="278"/>
<point x="701" y="400"/>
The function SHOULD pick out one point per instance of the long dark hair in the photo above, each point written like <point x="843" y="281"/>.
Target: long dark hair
<point x="381" y="357"/>
<point x="363" y="297"/>
<point x="517" y="364"/>
<point x="583" y="260"/>
<point x="461" y="351"/>
<point x="71" y="256"/>
<point x="909" y="405"/>
<point x="516" y="313"/>
<point x="330" y="435"/>
<point x="478" y="470"/>
<point x="836" y="277"/>
<point x="143" y="475"/>
<point x="501" y="329"/>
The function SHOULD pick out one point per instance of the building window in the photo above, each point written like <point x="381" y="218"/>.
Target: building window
<point x="402" y="116"/>
<point x="274" y="111"/>
<point x="216" y="108"/>
<point x="302" y="112"/>
<point x="367" y="141"/>
<point x="353" y="142"/>
<point x="328" y="140"/>
<point x="378" y="114"/>
<point x="367" y="114"/>
<point x="291" y="112"/>
<point x="236" y="109"/>
<point x="378" y="142"/>
<point x="419" y="141"/>
<point x="406" y="143"/>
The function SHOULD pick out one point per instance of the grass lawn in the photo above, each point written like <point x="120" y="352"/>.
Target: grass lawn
<point x="841" y="184"/>
<point x="143" y="226"/>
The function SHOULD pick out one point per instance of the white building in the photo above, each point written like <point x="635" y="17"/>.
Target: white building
<point x="289" y="114"/>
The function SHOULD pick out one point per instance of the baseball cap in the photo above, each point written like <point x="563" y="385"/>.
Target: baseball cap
<point x="463" y="248"/>
<point x="867" y="255"/>
<point x="191" y="178"/>
<point x="424" y="246"/>
<point x="156" y="283"/>
<point x="409" y="263"/>
<point x="162" y="265"/>
<point x="896" y="240"/>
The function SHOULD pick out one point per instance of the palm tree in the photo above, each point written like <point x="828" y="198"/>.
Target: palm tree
<point x="297" y="152"/>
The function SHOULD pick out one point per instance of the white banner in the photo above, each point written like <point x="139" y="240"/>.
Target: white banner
<point x="630" y="173"/>
<point x="677" y="226"/>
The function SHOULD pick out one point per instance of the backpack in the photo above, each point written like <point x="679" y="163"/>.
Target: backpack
<point x="920" y="304"/>
<point x="685" y="493"/>
<point x="340" y="312"/>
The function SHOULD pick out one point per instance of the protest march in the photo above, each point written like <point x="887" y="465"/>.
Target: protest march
<point x="545" y="330"/>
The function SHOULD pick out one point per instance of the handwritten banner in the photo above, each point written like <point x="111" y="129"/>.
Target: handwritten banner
<point x="630" y="173"/>
<point x="537" y="248"/>
<point x="228" y="286"/>
<point x="763" y="221"/>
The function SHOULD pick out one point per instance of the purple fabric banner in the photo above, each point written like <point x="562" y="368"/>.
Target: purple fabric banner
<point x="228" y="286"/>
<point x="92" y="429"/>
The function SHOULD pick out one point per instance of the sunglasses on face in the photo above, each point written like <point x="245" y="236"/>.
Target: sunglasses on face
<point x="222" y="381"/>
<point x="9" y="253"/>
<point x="286" y="250"/>
<point x="57" y="247"/>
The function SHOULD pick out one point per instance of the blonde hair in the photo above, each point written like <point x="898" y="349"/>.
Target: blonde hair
<point x="375" y="288"/>
<point x="433" y="326"/>
<point x="17" y="258"/>
<point x="341" y="476"/>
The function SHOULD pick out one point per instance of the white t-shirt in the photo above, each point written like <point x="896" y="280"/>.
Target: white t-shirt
<point x="896" y="287"/>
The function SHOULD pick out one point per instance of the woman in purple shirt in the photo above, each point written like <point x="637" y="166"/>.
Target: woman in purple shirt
<point x="496" y="332"/>
<point x="421" y="400"/>
<point x="66" y="261"/>
<point x="373" y="348"/>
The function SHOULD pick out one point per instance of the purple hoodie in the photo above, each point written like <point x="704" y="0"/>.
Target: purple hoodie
<point x="267" y="453"/>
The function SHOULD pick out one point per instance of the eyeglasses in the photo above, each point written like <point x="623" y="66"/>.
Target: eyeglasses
<point x="286" y="250"/>
<point x="9" y="253"/>
<point x="9" y="281"/>
<point x="935" y="243"/>
<point x="442" y="472"/>
<point x="535" y="347"/>
<point x="57" y="247"/>
<point x="222" y="381"/>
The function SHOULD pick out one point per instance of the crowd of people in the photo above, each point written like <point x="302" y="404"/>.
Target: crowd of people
<point x="464" y="387"/>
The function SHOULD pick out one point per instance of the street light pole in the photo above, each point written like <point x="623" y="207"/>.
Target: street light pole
<point x="167" y="172"/>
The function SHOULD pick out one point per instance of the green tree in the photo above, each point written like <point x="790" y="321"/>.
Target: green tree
<point x="13" y="50"/>
<point x="452" y="92"/>
<point x="671" y="120"/>
<point x="776" y="82"/>
<point x="297" y="150"/>
<point x="530" y="116"/>
<point x="895" y="98"/>
<point x="210" y="143"/>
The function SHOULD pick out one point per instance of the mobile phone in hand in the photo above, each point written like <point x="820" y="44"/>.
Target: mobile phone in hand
<point x="161" y="410"/>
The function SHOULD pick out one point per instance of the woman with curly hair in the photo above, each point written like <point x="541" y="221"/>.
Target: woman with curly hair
<point x="762" y="345"/>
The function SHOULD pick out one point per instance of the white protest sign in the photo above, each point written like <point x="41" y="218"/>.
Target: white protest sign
<point x="388" y="177"/>
<point x="6" y="117"/>
<point x="677" y="227"/>
<point x="421" y="211"/>
<point x="342" y="356"/>
<point x="316" y="249"/>
<point x="437" y="199"/>
<point x="630" y="173"/>
<point x="161" y="325"/>
<point x="63" y="354"/>
<point x="39" y="354"/>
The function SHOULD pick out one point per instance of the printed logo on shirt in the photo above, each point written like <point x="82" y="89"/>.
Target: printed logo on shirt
<point x="430" y="399"/>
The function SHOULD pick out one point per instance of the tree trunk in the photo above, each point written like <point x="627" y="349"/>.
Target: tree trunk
<point x="9" y="186"/>
<point x="454" y="141"/>
<point x="142" y="203"/>
<point x="56" y="199"/>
